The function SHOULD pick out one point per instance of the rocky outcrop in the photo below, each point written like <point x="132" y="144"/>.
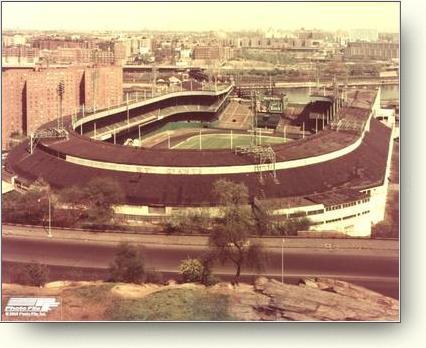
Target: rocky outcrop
<point x="316" y="299"/>
<point x="311" y="300"/>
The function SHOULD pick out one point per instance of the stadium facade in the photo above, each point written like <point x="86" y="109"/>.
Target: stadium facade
<point x="337" y="177"/>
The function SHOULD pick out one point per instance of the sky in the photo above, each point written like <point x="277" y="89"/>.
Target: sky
<point x="217" y="16"/>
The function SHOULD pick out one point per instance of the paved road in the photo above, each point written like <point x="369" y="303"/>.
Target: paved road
<point x="377" y="272"/>
<point x="346" y="245"/>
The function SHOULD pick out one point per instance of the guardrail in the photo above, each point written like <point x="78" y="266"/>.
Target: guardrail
<point x="343" y="237"/>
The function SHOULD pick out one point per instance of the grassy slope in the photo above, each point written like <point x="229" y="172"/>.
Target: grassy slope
<point x="172" y="304"/>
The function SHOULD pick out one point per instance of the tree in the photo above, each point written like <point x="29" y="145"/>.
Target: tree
<point x="191" y="222"/>
<point x="230" y="194"/>
<point x="29" y="207"/>
<point x="34" y="274"/>
<point x="235" y="246"/>
<point x="230" y="239"/>
<point x="291" y="226"/>
<point x="128" y="265"/>
<point x="93" y="201"/>
<point x="191" y="270"/>
<point x="198" y="270"/>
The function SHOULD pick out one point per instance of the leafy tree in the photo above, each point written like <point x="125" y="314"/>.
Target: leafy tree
<point x="94" y="201"/>
<point x="230" y="195"/>
<point x="128" y="265"/>
<point x="291" y="226"/>
<point x="191" y="270"/>
<point x="29" y="207"/>
<point x="198" y="270"/>
<point x="192" y="222"/>
<point x="230" y="239"/>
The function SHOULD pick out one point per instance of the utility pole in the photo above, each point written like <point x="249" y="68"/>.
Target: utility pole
<point x="282" y="261"/>
<point x="49" y="231"/>
<point x="127" y="105"/>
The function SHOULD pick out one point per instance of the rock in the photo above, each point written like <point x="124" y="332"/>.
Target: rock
<point x="322" y="299"/>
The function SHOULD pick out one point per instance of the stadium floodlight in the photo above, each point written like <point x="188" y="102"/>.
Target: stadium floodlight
<point x="60" y="90"/>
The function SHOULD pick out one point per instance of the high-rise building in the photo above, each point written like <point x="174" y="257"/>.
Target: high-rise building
<point x="13" y="106"/>
<point x="30" y="97"/>
<point x="103" y="87"/>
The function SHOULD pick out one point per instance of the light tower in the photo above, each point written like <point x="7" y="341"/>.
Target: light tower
<point x="60" y="90"/>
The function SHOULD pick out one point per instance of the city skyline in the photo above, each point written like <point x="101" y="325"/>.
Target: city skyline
<point x="179" y="16"/>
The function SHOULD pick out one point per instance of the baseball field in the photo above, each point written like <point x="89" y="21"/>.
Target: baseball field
<point x="224" y="141"/>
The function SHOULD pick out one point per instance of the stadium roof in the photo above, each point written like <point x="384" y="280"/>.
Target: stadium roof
<point x="360" y="169"/>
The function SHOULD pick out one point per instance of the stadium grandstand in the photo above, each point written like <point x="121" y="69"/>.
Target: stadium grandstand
<point x="337" y="176"/>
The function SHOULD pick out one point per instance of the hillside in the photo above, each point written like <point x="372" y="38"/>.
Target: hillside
<point x="311" y="300"/>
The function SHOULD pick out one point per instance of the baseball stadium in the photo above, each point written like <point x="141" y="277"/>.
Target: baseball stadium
<point x="328" y="160"/>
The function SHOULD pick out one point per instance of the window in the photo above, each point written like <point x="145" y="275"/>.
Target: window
<point x="157" y="210"/>
<point x="333" y="220"/>
<point x="314" y="212"/>
<point x="348" y="217"/>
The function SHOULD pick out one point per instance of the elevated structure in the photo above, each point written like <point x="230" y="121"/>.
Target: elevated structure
<point x="337" y="178"/>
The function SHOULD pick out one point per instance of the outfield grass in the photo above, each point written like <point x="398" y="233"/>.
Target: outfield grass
<point x="173" y="304"/>
<point x="171" y="126"/>
<point x="223" y="141"/>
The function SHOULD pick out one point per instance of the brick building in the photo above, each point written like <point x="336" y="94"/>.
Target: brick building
<point x="206" y="52"/>
<point x="79" y="56"/>
<point x="13" y="103"/>
<point x="372" y="50"/>
<point x="53" y="44"/>
<point x="103" y="87"/>
<point x="30" y="97"/>
<point x="19" y="54"/>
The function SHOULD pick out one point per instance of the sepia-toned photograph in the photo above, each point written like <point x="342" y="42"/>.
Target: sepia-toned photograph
<point x="200" y="162"/>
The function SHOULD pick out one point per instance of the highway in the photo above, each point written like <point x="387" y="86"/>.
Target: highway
<point x="376" y="272"/>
